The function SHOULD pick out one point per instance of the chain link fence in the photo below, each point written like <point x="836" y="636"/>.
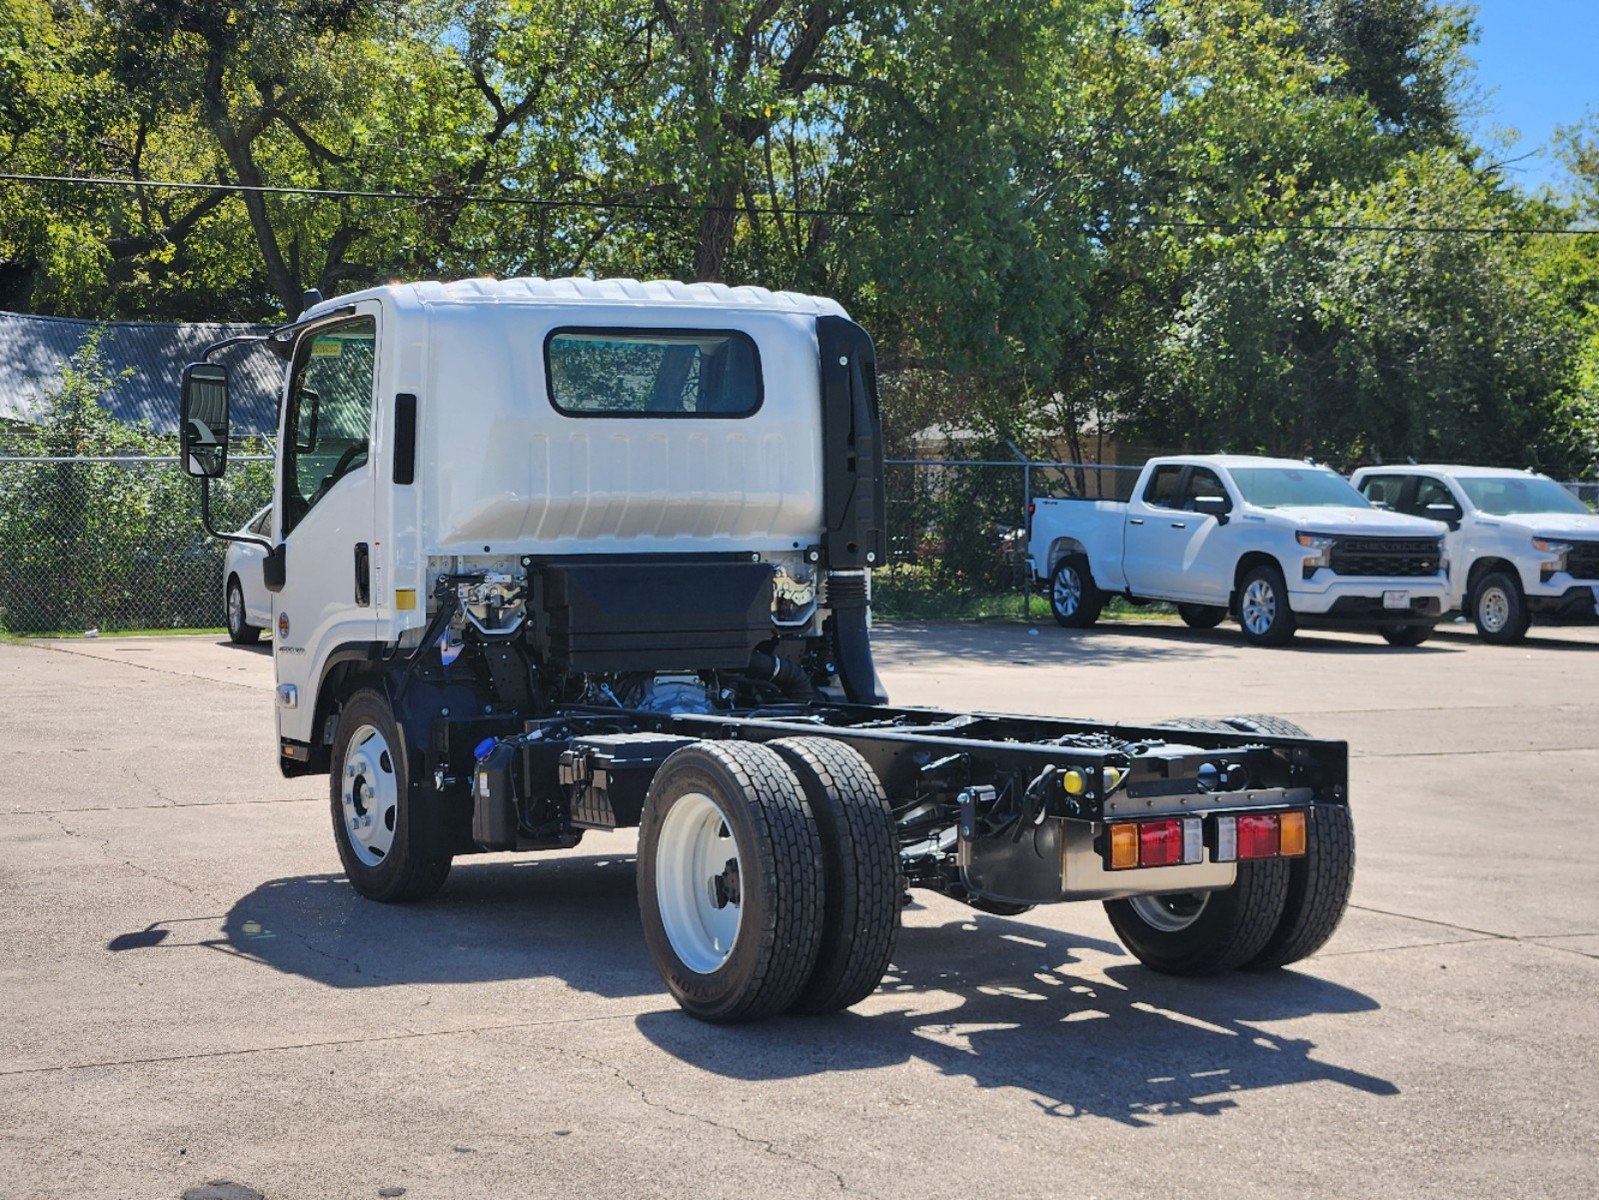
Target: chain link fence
<point x="116" y="543"/>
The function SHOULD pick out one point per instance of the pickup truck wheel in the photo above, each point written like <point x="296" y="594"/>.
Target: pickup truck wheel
<point x="1263" y="612"/>
<point x="1499" y="610"/>
<point x="1203" y="933"/>
<point x="860" y="854"/>
<point x="1202" y="616"/>
<point x="240" y="631"/>
<point x="731" y="882"/>
<point x="1406" y="635"/>
<point x="1073" y="598"/>
<point x="393" y="839"/>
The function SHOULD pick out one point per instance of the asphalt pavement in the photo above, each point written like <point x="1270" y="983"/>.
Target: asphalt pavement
<point x="192" y="994"/>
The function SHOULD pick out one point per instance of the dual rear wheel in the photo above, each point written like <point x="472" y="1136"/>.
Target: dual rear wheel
<point x="768" y="878"/>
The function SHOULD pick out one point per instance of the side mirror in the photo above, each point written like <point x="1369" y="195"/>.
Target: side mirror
<point x="1213" y="506"/>
<point x="203" y="420"/>
<point x="1449" y="514"/>
<point x="273" y="568"/>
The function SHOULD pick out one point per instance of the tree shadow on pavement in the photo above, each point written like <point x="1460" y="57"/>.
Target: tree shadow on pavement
<point x="1023" y="1012"/>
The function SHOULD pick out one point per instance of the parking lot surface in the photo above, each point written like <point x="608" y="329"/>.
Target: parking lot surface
<point x="192" y="993"/>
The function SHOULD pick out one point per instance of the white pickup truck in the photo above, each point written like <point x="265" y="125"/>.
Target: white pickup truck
<point x="1278" y="543"/>
<point x="1520" y="546"/>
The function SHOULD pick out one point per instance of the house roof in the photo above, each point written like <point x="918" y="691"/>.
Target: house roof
<point x="34" y="349"/>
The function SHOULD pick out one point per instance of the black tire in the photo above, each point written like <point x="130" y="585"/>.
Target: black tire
<point x="860" y="854"/>
<point x="1073" y="598"/>
<point x="1202" y="616"/>
<point x="1501" y="627"/>
<point x="240" y="631"/>
<point x="1231" y="928"/>
<point x="1320" y="882"/>
<point x="1277" y="628"/>
<point x="1405" y="635"/>
<point x="781" y="880"/>
<point x="417" y="861"/>
<point x="1318" y="889"/>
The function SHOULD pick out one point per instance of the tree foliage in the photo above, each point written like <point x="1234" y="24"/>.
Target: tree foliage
<point x="1057" y="215"/>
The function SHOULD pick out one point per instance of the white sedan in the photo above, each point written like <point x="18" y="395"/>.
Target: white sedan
<point x="244" y="596"/>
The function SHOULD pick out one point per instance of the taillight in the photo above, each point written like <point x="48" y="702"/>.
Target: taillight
<point x="1175" y="842"/>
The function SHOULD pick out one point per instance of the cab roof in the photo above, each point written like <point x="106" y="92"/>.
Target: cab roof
<point x="1448" y="469"/>
<point x="1247" y="460"/>
<point x="576" y="291"/>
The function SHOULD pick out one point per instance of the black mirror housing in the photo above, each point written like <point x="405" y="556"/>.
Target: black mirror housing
<point x="273" y="568"/>
<point x="203" y="420"/>
<point x="1212" y="506"/>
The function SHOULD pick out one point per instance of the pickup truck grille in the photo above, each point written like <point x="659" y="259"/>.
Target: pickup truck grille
<point x="1385" y="556"/>
<point x="1583" y="561"/>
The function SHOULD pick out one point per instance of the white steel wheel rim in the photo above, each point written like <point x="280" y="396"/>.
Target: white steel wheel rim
<point x="235" y="608"/>
<point x="1173" y="913"/>
<point x="1494" y="609"/>
<point x="699" y="883"/>
<point x="1260" y="606"/>
<point x="1067" y="592"/>
<point x="371" y="795"/>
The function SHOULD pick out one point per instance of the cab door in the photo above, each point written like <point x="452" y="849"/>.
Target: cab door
<point x="325" y="505"/>
<point x="1152" y="548"/>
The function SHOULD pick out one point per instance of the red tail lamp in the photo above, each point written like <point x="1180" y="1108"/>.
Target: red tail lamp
<point x="1259" y="836"/>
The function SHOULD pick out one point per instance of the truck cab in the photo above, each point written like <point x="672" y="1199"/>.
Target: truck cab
<point x="1521" y="548"/>
<point x="1278" y="543"/>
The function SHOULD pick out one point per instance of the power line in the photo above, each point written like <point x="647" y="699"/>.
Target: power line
<point x="543" y="202"/>
<point x="461" y="197"/>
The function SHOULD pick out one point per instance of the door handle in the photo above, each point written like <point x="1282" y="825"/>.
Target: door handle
<point x="1135" y="520"/>
<point x="1178" y="525"/>
<point x="363" y="574"/>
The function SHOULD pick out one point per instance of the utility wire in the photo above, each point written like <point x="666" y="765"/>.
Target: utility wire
<point x="440" y="197"/>
<point x="797" y="211"/>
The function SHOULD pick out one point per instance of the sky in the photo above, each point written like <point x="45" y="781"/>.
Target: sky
<point x="1538" y="67"/>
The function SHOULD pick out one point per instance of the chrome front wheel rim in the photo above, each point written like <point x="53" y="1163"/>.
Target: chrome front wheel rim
<point x="370" y="795"/>
<point x="1173" y="913"/>
<point x="1067" y="592"/>
<point x="1259" y="607"/>
<point x="699" y="883"/>
<point x="235" y="608"/>
<point x="1494" y="610"/>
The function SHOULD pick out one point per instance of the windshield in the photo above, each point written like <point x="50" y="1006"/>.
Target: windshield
<point x="1309" y="487"/>
<point x="1510" y="495"/>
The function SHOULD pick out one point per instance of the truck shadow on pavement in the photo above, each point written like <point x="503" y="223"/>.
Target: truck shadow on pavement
<point x="1002" y="1002"/>
<point x="1019" y="1009"/>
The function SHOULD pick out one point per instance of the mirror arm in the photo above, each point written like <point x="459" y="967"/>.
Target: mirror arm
<point x="205" y="521"/>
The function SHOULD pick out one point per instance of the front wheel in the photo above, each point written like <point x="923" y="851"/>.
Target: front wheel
<point x="1499" y="610"/>
<point x="393" y="838"/>
<point x="1073" y="598"/>
<point x="1202" y="616"/>
<point x="1263" y="612"/>
<point x="240" y="631"/>
<point x="1406" y="635"/>
<point x="730" y="881"/>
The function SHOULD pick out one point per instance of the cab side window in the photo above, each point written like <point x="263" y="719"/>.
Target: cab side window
<point x="1430" y="491"/>
<point x="330" y="413"/>
<point x="1383" y="489"/>
<point x="1203" y="482"/>
<point x="1161" y="491"/>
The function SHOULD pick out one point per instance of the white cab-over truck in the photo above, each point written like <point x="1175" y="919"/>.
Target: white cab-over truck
<point x="1521" y="548"/>
<point x="550" y="556"/>
<point x="1277" y="543"/>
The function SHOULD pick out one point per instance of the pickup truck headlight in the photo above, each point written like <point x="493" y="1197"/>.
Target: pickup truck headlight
<point x="1556" y="552"/>
<point x="1320" y="546"/>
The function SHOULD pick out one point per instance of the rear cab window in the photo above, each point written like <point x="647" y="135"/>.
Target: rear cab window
<point x="1161" y="491"/>
<point x="614" y="372"/>
<point x="1387" y="490"/>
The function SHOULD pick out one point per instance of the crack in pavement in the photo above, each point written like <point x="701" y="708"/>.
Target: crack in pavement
<point x="138" y="666"/>
<point x="1482" y="935"/>
<point x="105" y="848"/>
<point x="407" y="1035"/>
<point x="765" y="1144"/>
<point x="45" y="812"/>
